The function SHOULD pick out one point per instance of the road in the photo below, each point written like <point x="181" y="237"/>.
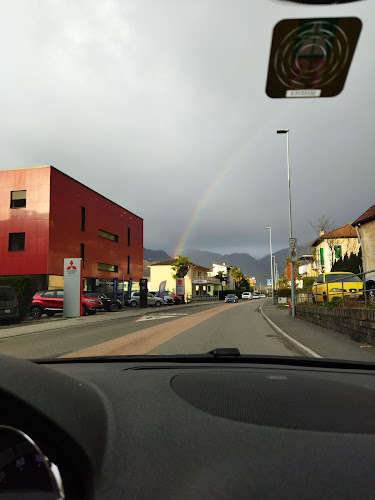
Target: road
<point x="167" y="331"/>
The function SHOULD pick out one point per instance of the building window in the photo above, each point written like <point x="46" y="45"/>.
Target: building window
<point x="194" y="273"/>
<point x="128" y="236"/>
<point x="83" y="254"/>
<point x="208" y="288"/>
<point x="108" y="236"/>
<point x="16" y="242"/>
<point x="338" y="251"/>
<point x="128" y="264"/>
<point x="17" y="199"/>
<point x="321" y="251"/>
<point x="107" y="267"/>
<point x="83" y="218"/>
<point x="199" y="274"/>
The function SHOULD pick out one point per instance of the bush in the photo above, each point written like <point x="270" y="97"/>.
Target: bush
<point x="307" y="283"/>
<point x="284" y="292"/>
<point x="23" y="286"/>
<point x="335" y="302"/>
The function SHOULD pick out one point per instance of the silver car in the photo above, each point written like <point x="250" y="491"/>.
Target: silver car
<point x="152" y="300"/>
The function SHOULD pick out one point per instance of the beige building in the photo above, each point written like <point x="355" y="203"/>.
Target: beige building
<point x="307" y="266"/>
<point x="197" y="281"/>
<point x="365" y="225"/>
<point x="334" y="245"/>
<point x="230" y="284"/>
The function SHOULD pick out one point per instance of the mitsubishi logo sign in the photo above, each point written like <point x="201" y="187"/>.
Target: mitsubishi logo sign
<point x="72" y="287"/>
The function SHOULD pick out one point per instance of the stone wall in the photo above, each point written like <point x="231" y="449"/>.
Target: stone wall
<point x="358" y="324"/>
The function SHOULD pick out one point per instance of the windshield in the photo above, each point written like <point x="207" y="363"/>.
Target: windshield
<point x="341" y="277"/>
<point x="243" y="118"/>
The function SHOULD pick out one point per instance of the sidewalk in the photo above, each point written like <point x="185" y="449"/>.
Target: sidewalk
<point x="314" y="341"/>
<point x="59" y="322"/>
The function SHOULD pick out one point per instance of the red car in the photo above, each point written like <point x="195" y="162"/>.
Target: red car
<point x="52" y="301"/>
<point x="170" y="298"/>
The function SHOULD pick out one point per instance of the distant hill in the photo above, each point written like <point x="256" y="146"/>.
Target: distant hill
<point x="260" y="268"/>
<point x="155" y="255"/>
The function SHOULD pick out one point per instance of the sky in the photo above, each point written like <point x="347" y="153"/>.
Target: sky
<point x="161" y="107"/>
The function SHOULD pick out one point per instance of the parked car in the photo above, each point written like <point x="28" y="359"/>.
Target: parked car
<point x="52" y="301"/>
<point x="246" y="296"/>
<point x="231" y="297"/>
<point x="170" y="298"/>
<point x="256" y="295"/>
<point x="109" y="304"/>
<point x="330" y="285"/>
<point x="8" y="304"/>
<point x="152" y="300"/>
<point x="262" y="296"/>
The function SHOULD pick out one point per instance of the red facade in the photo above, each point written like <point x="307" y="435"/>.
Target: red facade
<point x="56" y="226"/>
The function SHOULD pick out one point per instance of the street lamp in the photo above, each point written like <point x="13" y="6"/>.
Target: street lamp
<point x="286" y="131"/>
<point x="268" y="227"/>
<point x="274" y="271"/>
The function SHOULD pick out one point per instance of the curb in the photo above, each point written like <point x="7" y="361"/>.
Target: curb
<point x="302" y="348"/>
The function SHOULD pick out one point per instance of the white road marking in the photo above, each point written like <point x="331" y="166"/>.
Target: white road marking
<point x="150" y="317"/>
<point x="301" y="347"/>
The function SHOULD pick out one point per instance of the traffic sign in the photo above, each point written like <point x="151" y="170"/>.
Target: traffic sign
<point x="269" y="282"/>
<point x="293" y="249"/>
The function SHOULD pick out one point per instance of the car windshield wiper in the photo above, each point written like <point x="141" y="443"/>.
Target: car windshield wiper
<point x="217" y="356"/>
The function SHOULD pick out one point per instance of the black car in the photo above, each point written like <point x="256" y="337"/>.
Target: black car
<point x="9" y="311"/>
<point x="109" y="304"/>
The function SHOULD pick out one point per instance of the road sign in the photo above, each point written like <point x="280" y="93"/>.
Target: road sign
<point x="293" y="249"/>
<point x="269" y="282"/>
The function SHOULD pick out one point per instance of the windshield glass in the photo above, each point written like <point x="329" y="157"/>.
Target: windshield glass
<point x="243" y="117"/>
<point x="341" y="277"/>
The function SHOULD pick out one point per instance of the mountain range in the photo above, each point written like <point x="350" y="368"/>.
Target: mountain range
<point x="260" y="268"/>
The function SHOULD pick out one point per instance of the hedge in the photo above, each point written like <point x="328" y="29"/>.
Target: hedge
<point x="23" y="286"/>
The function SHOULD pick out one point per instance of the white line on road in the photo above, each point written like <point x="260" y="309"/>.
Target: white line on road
<point x="158" y="316"/>
<point x="302" y="347"/>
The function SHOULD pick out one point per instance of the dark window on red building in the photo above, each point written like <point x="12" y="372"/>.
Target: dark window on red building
<point x="83" y="218"/>
<point x="128" y="264"/>
<point x="128" y="236"/>
<point x="16" y="242"/>
<point x="17" y="199"/>
<point x="83" y="254"/>
<point x="107" y="235"/>
<point x="107" y="267"/>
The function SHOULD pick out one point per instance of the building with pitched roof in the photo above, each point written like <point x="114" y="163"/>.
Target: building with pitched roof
<point x="365" y="226"/>
<point x="334" y="245"/>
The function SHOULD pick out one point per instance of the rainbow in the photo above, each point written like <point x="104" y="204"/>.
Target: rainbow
<point x="222" y="173"/>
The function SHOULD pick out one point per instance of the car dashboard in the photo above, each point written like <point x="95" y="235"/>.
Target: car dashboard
<point x="178" y="428"/>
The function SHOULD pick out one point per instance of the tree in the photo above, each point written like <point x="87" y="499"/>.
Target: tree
<point x="351" y="264"/>
<point x="322" y="225"/>
<point x="181" y="267"/>
<point x="287" y="270"/>
<point x="237" y="275"/>
<point x="222" y="276"/>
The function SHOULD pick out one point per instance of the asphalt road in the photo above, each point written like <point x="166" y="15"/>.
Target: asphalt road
<point x="167" y="331"/>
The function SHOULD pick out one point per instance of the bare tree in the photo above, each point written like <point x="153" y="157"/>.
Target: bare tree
<point x="324" y="224"/>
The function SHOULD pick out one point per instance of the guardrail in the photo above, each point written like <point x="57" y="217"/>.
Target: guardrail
<point x="201" y="298"/>
<point x="362" y="291"/>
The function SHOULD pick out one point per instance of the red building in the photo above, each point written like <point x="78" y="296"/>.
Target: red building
<point x="45" y="216"/>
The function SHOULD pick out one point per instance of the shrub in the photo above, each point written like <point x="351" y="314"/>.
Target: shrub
<point x="23" y="286"/>
<point x="335" y="302"/>
<point x="284" y="292"/>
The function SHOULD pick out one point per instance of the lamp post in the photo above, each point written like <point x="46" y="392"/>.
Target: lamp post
<point x="274" y="272"/>
<point x="286" y="131"/>
<point x="273" y="298"/>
